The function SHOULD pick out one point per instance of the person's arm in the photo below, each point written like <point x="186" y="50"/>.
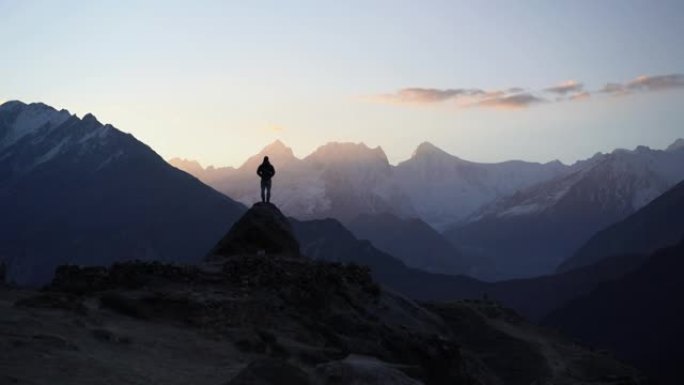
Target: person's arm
<point x="259" y="171"/>
<point x="272" y="171"/>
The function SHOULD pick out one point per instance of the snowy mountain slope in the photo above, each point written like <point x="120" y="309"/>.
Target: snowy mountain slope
<point x="344" y="180"/>
<point x="446" y="190"/>
<point x="526" y="217"/>
<point x="658" y="224"/>
<point x="531" y="232"/>
<point x="340" y="180"/>
<point x="74" y="190"/>
<point x="358" y="180"/>
<point x="297" y="187"/>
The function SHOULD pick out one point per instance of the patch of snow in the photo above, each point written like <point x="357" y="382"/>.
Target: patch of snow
<point x="32" y="119"/>
<point x="50" y="154"/>
<point x="530" y="208"/>
<point x="97" y="133"/>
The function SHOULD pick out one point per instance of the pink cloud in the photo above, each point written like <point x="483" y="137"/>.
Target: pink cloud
<point x="517" y="97"/>
<point x="566" y="87"/>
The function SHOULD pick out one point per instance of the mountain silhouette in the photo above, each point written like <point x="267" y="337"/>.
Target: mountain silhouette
<point x="656" y="225"/>
<point x="414" y="242"/>
<point x="446" y="190"/>
<point x="533" y="231"/>
<point x="534" y="298"/>
<point x="76" y="191"/>
<point x="638" y="316"/>
<point x="517" y="219"/>
<point x="345" y="180"/>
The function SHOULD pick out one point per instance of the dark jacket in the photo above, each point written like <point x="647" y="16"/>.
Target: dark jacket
<point x="266" y="171"/>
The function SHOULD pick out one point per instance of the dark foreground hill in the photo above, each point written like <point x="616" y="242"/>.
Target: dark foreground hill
<point x="638" y="316"/>
<point x="271" y="316"/>
<point x="73" y="190"/>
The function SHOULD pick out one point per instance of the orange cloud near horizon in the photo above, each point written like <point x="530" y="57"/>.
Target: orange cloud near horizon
<point x="517" y="98"/>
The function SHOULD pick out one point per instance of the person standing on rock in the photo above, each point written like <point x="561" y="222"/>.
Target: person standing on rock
<point x="266" y="172"/>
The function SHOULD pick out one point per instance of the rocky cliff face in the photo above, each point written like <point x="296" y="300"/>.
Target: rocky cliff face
<point x="274" y="317"/>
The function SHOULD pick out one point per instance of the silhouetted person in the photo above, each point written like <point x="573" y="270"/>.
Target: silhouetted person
<point x="266" y="172"/>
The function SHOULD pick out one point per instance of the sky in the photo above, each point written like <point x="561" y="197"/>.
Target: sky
<point x="487" y="81"/>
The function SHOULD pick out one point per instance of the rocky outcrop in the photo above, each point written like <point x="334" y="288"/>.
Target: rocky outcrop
<point x="262" y="230"/>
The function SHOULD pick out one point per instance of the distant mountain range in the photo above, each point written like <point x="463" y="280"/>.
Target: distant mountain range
<point x="511" y="219"/>
<point x="344" y="180"/>
<point x="416" y="244"/>
<point x="656" y="225"/>
<point x="629" y="303"/>
<point x="535" y="298"/>
<point x="531" y="232"/>
<point x="73" y="190"/>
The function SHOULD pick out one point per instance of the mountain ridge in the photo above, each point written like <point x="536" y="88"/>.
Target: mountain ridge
<point x="93" y="194"/>
<point x="339" y="164"/>
<point x="534" y="230"/>
<point x="656" y="225"/>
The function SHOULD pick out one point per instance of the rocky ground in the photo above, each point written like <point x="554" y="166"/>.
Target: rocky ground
<point x="253" y="317"/>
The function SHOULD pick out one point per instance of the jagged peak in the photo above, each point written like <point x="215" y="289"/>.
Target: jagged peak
<point x="36" y="106"/>
<point x="637" y="150"/>
<point x="277" y="148"/>
<point x="428" y="150"/>
<point x="90" y="118"/>
<point x="676" y="145"/>
<point x="555" y="162"/>
<point x="277" y="152"/>
<point x="427" y="147"/>
<point x="185" y="164"/>
<point x="349" y="151"/>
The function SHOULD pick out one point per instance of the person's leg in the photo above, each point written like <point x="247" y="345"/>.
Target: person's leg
<point x="268" y="191"/>
<point x="263" y="187"/>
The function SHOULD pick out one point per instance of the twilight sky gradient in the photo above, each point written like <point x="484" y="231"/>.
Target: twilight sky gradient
<point x="485" y="80"/>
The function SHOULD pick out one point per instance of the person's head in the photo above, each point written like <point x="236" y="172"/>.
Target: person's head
<point x="266" y="159"/>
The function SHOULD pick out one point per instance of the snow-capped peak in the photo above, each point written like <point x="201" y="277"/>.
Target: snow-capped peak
<point x="30" y="119"/>
<point x="346" y="152"/>
<point x="277" y="148"/>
